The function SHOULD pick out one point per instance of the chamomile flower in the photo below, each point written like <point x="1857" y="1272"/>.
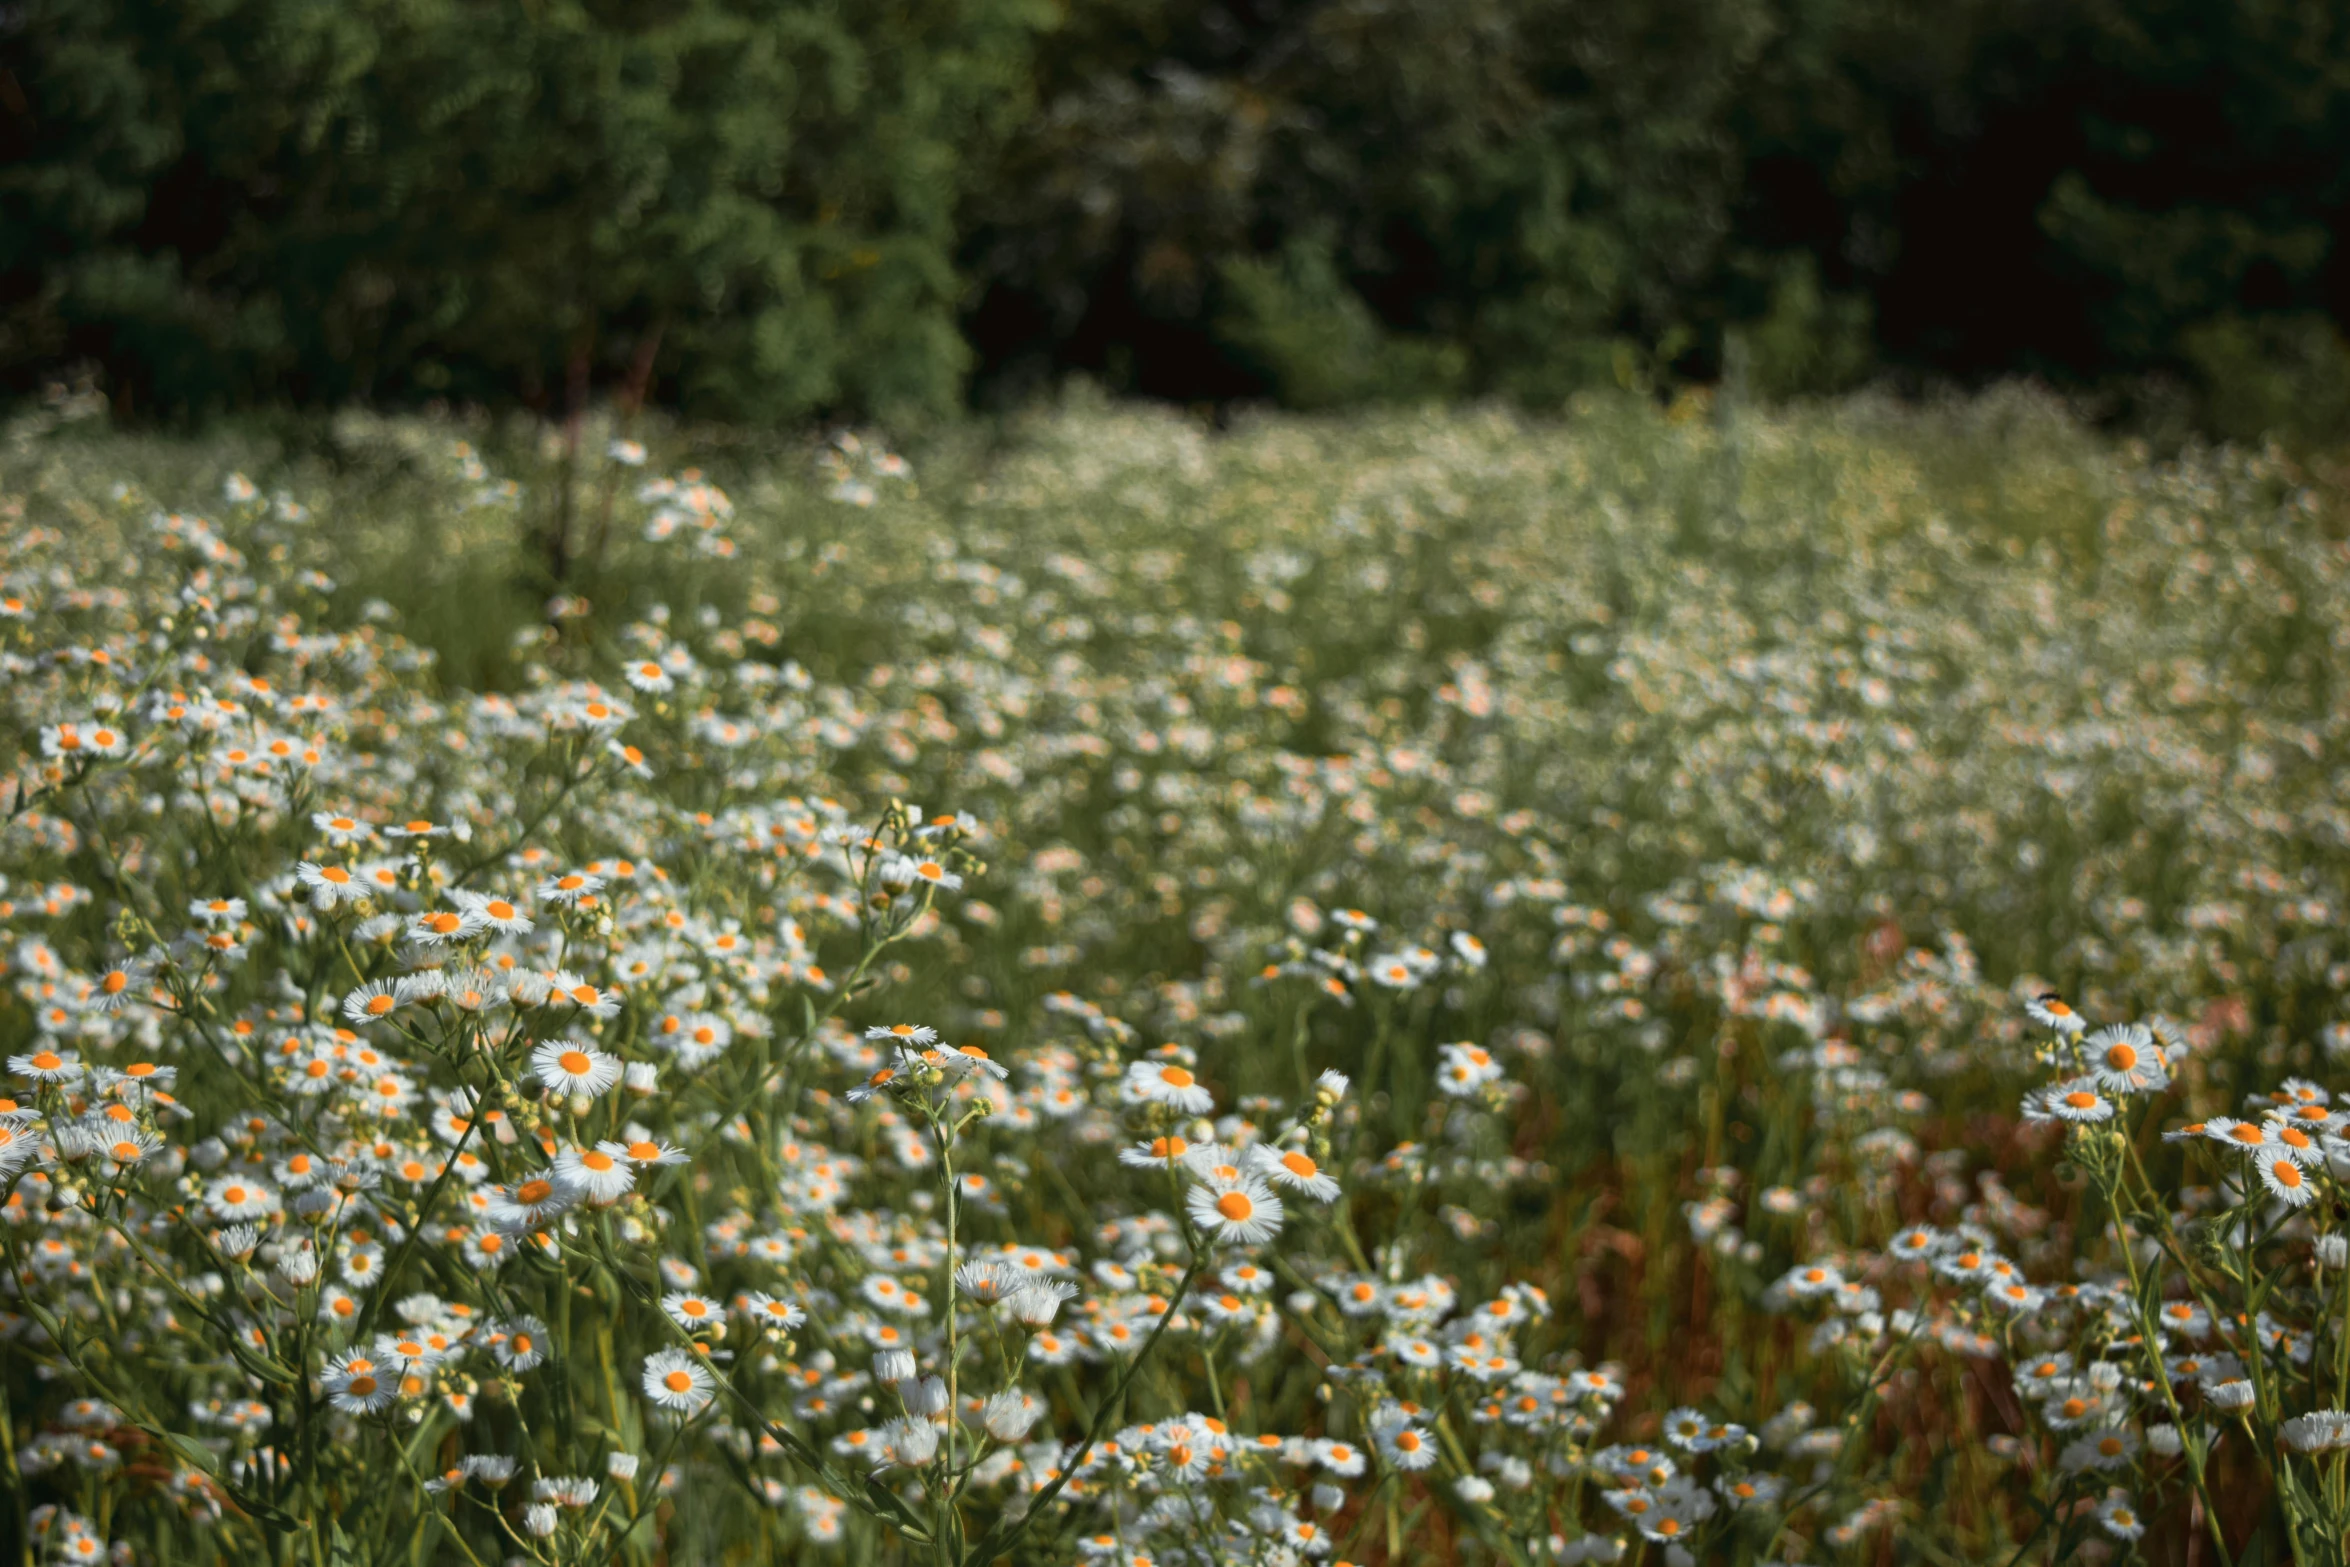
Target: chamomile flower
<point x="47" y="1066"/>
<point x="1168" y="1083"/>
<point x="1245" y="1212"/>
<point x="2286" y="1178"/>
<point x="440" y="927"/>
<point x="599" y="1176"/>
<point x="679" y="1382"/>
<point x="571" y="888"/>
<point x="1406" y="1447"/>
<point x="2123" y="1060"/>
<point x="695" y="1313"/>
<point x="2050" y="1010"/>
<point x="771" y="1313"/>
<point x="373" y="1001"/>
<point x="569" y="1068"/>
<point x="340" y="830"/>
<point x="357" y="1384"/>
<point x="331" y="886"/>
<point x="1294" y="1169"/>
<point x="2077" y="1101"/>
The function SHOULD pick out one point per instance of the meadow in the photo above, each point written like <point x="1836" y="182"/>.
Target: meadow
<point x="1659" y="985"/>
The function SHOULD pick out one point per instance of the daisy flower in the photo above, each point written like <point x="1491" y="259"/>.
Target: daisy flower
<point x="437" y="927"/>
<point x="47" y="1066"/>
<point x="1160" y="1153"/>
<point x="2286" y="1179"/>
<point x="356" y="1385"/>
<point x="496" y="913"/>
<point x="374" y="1000"/>
<point x="1164" y="1082"/>
<point x="529" y="1204"/>
<point x="2051" y="1010"/>
<point x="1245" y="1212"/>
<point x="1406" y="1447"/>
<point x="570" y="888"/>
<point x="520" y="1345"/>
<point x="2123" y="1060"/>
<point x="2118" y="1516"/>
<point x="598" y="1176"/>
<point x="569" y="990"/>
<point x="569" y="1068"/>
<point x="2077" y="1101"/>
<point x="126" y="1149"/>
<point x="234" y="1197"/>
<point x="679" y="1382"/>
<point x="693" y="1312"/>
<point x="1292" y="1168"/>
<point x="771" y="1313"/>
<point x="2244" y="1136"/>
<point x="330" y="885"/>
<point x="1340" y="1458"/>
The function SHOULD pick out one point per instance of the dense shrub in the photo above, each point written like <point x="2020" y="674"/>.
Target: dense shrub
<point x="767" y="208"/>
<point x="747" y="209"/>
<point x="1562" y="193"/>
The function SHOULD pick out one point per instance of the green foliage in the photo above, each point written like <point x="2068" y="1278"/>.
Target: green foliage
<point x="1315" y="340"/>
<point x="2064" y="188"/>
<point x="1527" y="180"/>
<point x="2288" y="376"/>
<point x="746" y="208"/>
<point x="763" y="210"/>
<point x="1809" y="341"/>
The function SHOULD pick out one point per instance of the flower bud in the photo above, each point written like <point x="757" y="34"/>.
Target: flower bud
<point x="2164" y="1440"/>
<point x="2332" y="1250"/>
<point x="925" y="1396"/>
<point x="916" y="1441"/>
<point x="893" y="1365"/>
<point x="2231" y="1397"/>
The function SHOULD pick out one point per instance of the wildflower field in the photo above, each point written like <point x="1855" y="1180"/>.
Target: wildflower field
<point x="1650" y="988"/>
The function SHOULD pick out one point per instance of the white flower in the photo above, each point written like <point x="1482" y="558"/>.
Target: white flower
<point x="1292" y="1168"/>
<point x="2317" y="1432"/>
<point x="2051" y="1010"/>
<point x="2286" y="1179"/>
<point x="568" y="1068"/>
<point x="678" y="1381"/>
<point x="2119" y="1516"/>
<point x="599" y="1176"/>
<point x="1008" y="1415"/>
<point x="1168" y="1083"/>
<point x="1244" y="1211"/>
<point x="330" y="885"/>
<point x="1407" y="1447"/>
<point x="771" y="1313"/>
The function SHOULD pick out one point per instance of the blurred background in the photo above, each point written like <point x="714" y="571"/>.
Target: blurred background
<point x="756" y="211"/>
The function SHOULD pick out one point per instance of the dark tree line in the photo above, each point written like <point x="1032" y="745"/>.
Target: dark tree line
<point x="763" y="209"/>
